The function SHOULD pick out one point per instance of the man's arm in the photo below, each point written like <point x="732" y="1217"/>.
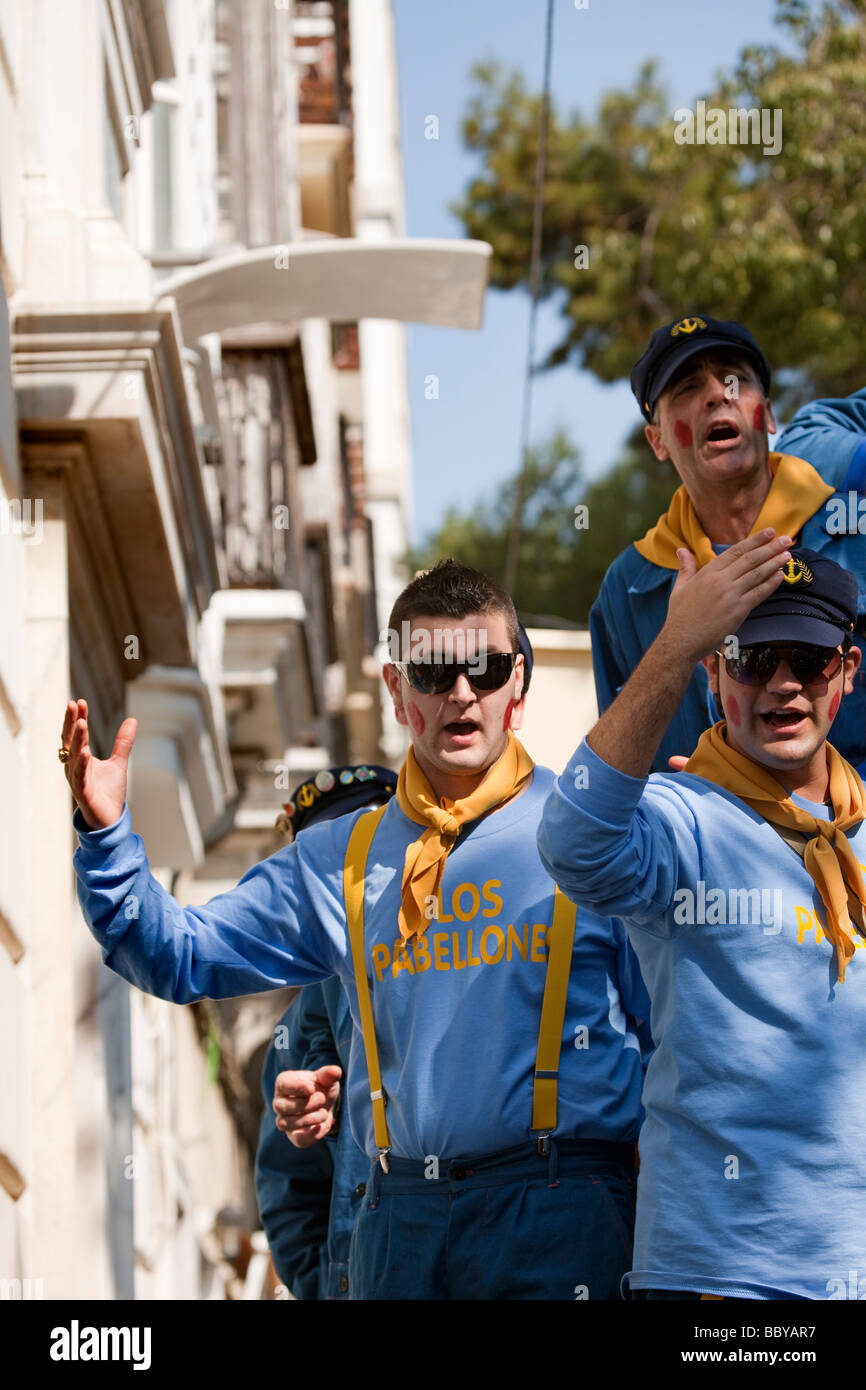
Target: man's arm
<point x="263" y="934"/>
<point x="611" y="841"/>
<point x="705" y="606"/>
<point x="831" y="435"/>
<point x="293" y="1185"/>
<point x="309" y="1103"/>
<point x="307" y="1092"/>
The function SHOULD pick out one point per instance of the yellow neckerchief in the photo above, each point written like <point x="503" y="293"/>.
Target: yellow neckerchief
<point x="424" y="864"/>
<point x="795" y="495"/>
<point x="828" y="856"/>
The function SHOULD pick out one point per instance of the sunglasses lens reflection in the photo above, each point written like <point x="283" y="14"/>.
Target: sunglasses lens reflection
<point x="757" y="665"/>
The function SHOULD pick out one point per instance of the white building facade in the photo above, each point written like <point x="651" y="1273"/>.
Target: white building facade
<point x="204" y="489"/>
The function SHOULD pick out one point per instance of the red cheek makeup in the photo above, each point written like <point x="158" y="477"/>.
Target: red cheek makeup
<point x="416" y="718"/>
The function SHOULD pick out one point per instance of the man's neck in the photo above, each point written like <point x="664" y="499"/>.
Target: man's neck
<point x="811" y="779"/>
<point x="454" y="786"/>
<point x="812" y="785"/>
<point x="728" y="510"/>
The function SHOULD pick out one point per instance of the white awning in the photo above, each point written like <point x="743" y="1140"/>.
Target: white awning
<point x="412" y="280"/>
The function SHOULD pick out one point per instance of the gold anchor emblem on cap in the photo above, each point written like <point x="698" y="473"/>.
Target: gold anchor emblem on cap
<point x="687" y="326"/>
<point x="795" y="570"/>
<point x="307" y="795"/>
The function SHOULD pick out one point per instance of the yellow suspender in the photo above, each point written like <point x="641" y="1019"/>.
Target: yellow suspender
<point x="353" y="887"/>
<point x="546" y="1085"/>
<point x="561" y="942"/>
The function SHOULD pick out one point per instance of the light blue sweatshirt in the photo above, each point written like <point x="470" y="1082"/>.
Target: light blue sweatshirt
<point x="753" y="1152"/>
<point x="457" y="1013"/>
<point x="831" y="434"/>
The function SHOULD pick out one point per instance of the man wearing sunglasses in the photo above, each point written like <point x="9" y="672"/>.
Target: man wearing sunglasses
<point x="307" y="1198"/>
<point x="741" y="882"/>
<point x="703" y="389"/>
<point x="497" y="1058"/>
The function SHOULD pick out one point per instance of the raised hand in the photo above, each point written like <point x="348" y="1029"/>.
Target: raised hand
<point x="98" y="784"/>
<point x="304" y="1104"/>
<point x="709" y="604"/>
<point x="705" y="606"/>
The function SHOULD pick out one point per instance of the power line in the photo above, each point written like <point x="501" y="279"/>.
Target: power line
<point x="510" y="576"/>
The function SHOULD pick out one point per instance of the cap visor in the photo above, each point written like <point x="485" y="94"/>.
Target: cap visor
<point x="790" y="627"/>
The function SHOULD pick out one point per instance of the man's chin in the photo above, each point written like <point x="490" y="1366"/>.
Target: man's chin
<point x="786" y="754"/>
<point x="738" y="461"/>
<point x="472" y="757"/>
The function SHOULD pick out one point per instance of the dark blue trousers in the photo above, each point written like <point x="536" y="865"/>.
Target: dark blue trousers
<point x="517" y="1224"/>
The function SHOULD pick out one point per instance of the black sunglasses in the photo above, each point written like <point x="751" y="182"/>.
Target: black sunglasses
<point x="756" y="665"/>
<point x="437" y="677"/>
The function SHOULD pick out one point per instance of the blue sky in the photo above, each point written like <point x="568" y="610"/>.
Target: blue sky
<point x="467" y="441"/>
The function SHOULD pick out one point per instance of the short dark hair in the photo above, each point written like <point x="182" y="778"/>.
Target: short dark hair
<point x="452" y="590"/>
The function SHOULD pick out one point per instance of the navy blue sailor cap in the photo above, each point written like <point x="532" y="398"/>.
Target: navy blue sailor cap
<point x="333" y="792"/>
<point x="673" y="344"/>
<point x="816" y="603"/>
<point x="525" y="646"/>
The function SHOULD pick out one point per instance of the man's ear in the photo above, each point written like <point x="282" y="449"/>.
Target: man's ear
<point x="853" y="658"/>
<point x="516" y="721"/>
<point x="391" y="677"/>
<point x="654" y="439"/>
<point x="519" y="674"/>
<point x="711" y="666"/>
<point x="519" y="702"/>
<point x="771" y="419"/>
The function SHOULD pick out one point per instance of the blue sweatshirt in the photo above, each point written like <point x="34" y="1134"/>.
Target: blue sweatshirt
<point x="753" y="1176"/>
<point x="457" y="1012"/>
<point x="831" y="434"/>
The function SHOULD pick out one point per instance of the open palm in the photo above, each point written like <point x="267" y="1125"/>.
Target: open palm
<point x="98" y="784"/>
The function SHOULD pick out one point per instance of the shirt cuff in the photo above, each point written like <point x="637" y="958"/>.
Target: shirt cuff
<point x="109" y="837"/>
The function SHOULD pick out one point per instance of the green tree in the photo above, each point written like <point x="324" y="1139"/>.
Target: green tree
<point x="777" y="241"/>
<point x="561" y="560"/>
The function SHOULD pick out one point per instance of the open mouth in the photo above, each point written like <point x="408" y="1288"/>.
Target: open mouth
<point x="460" y="728"/>
<point x="722" y="434"/>
<point x="782" y="718"/>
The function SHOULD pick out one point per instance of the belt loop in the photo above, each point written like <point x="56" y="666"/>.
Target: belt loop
<point x="553" y="1165"/>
